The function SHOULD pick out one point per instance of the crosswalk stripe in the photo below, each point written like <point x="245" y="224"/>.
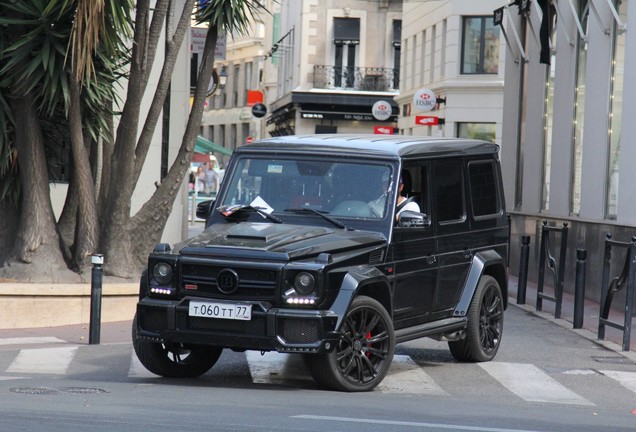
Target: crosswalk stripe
<point x="405" y="376"/>
<point x="43" y="360"/>
<point x="137" y="370"/>
<point x="30" y="340"/>
<point x="531" y="384"/>
<point x="626" y="379"/>
<point x="11" y="378"/>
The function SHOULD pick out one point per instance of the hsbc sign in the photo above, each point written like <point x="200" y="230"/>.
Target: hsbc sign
<point x="424" y="100"/>
<point x="381" y="110"/>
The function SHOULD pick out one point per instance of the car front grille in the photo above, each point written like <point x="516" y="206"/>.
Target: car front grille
<point x="296" y="331"/>
<point x="252" y="283"/>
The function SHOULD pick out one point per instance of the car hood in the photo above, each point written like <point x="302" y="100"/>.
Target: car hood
<point x="276" y="241"/>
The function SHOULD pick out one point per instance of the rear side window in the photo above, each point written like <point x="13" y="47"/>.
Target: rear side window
<point x="484" y="189"/>
<point x="450" y="193"/>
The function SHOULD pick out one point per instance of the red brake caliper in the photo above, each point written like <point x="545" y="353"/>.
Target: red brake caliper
<point x="367" y="337"/>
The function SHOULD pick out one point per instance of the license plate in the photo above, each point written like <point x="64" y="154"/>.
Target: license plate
<point x="221" y="310"/>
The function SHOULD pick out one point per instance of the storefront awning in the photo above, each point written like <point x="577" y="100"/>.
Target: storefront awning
<point x="204" y="145"/>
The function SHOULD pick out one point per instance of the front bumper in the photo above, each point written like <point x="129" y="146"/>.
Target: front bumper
<point x="270" y="329"/>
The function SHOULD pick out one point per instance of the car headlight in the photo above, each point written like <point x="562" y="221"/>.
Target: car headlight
<point x="304" y="283"/>
<point x="162" y="272"/>
<point x="302" y="288"/>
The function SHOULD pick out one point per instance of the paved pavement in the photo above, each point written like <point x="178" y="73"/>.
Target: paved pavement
<point x="119" y="332"/>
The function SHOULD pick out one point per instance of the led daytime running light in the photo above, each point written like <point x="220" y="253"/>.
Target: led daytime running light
<point x="163" y="291"/>
<point x="300" y="301"/>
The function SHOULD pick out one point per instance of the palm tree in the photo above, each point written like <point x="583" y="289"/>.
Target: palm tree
<point x="59" y="62"/>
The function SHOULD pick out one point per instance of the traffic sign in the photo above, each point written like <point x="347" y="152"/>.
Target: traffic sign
<point x="259" y="110"/>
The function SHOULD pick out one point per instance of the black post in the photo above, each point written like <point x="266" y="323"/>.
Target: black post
<point x="560" y="272"/>
<point x="523" y="270"/>
<point x="579" y="288"/>
<point x="605" y="285"/>
<point x="544" y="238"/>
<point x="96" y="299"/>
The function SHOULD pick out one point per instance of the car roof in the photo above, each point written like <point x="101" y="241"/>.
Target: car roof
<point x="394" y="146"/>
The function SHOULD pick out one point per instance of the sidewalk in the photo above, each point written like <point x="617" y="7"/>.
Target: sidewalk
<point x="591" y="311"/>
<point x="120" y="331"/>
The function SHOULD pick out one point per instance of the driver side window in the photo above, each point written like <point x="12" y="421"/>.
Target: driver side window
<point x="413" y="188"/>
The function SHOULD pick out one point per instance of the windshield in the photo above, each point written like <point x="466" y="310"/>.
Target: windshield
<point x="338" y="188"/>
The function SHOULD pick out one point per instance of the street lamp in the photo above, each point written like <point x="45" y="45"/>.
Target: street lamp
<point x="222" y="78"/>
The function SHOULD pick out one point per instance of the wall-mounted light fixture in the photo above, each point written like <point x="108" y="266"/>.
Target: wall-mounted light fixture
<point x="222" y="78"/>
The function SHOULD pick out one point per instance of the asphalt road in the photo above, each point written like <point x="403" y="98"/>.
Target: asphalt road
<point x="544" y="378"/>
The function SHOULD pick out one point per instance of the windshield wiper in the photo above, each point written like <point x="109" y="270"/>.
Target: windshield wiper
<point x="334" y="221"/>
<point x="228" y="211"/>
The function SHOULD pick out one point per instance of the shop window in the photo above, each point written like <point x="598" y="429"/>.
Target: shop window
<point x="482" y="131"/>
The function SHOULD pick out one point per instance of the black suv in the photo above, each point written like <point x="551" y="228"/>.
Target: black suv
<point x="303" y="253"/>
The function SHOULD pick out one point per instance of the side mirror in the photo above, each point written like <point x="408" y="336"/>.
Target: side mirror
<point x="204" y="208"/>
<point x="409" y="218"/>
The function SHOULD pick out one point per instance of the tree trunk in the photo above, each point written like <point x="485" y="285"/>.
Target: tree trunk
<point x="37" y="239"/>
<point x="116" y="241"/>
<point x="68" y="217"/>
<point x="87" y="225"/>
<point x="9" y="216"/>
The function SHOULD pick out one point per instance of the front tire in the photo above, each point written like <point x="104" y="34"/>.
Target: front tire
<point x="174" y="360"/>
<point x="485" y="324"/>
<point x="363" y="356"/>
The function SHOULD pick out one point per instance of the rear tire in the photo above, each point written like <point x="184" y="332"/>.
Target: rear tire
<point x="363" y="356"/>
<point x="174" y="360"/>
<point x="485" y="324"/>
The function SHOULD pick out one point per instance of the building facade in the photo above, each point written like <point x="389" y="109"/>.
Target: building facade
<point x="333" y="67"/>
<point x="563" y="156"/>
<point x="453" y="48"/>
<point x="227" y="119"/>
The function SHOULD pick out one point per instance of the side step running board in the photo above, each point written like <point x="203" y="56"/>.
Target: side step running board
<point x="429" y="329"/>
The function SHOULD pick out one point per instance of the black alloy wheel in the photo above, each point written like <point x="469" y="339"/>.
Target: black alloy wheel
<point x="174" y="360"/>
<point x="363" y="356"/>
<point x="485" y="324"/>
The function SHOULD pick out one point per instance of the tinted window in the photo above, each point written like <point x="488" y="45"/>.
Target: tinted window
<point x="450" y="197"/>
<point x="483" y="188"/>
<point x="335" y="186"/>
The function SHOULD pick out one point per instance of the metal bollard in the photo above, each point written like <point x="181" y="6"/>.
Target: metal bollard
<point x="579" y="288"/>
<point x="523" y="270"/>
<point x="96" y="298"/>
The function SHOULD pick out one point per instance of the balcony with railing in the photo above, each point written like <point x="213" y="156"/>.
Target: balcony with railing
<point x="356" y="78"/>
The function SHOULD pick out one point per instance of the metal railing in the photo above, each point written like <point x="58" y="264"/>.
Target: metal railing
<point x="356" y="78"/>
<point x="558" y="269"/>
<point x="626" y="279"/>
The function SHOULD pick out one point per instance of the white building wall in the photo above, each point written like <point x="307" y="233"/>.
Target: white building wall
<point x="431" y="58"/>
<point x="626" y="201"/>
<point x="599" y="57"/>
<point x="524" y="154"/>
